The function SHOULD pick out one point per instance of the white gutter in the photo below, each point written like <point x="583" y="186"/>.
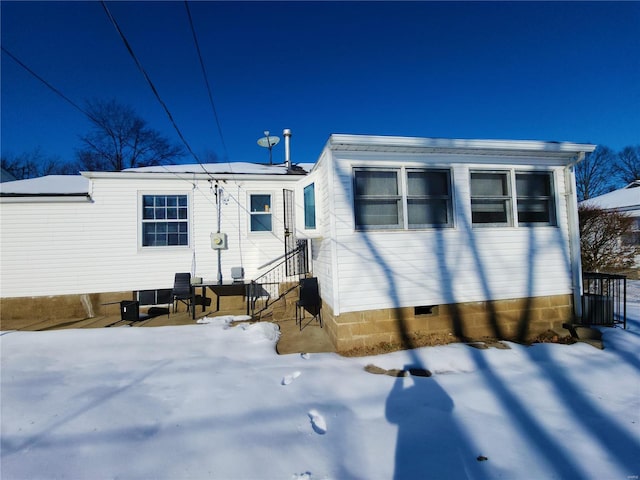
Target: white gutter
<point x="571" y="199"/>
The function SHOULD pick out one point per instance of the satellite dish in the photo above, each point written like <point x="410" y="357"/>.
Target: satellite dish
<point x="268" y="142"/>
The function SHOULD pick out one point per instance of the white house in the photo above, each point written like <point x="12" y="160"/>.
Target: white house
<point x="408" y="236"/>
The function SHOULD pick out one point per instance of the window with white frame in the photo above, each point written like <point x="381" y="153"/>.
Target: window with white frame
<point x="165" y="220"/>
<point x="260" y="212"/>
<point x="491" y="198"/>
<point x="382" y="196"/>
<point x="309" y="207"/>
<point x="429" y="198"/>
<point x="378" y="203"/>
<point x="535" y="198"/>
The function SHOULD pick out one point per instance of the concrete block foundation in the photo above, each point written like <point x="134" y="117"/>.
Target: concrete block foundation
<point x="520" y="319"/>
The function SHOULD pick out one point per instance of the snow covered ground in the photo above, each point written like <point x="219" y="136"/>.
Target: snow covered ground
<point x="213" y="401"/>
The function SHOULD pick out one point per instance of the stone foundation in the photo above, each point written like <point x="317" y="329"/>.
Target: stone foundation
<point x="516" y="319"/>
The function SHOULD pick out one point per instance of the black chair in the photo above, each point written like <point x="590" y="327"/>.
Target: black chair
<point x="130" y="311"/>
<point x="183" y="291"/>
<point x="309" y="300"/>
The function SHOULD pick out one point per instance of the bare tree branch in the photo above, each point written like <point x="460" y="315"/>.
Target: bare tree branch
<point x="120" y="139"/>
<point x="594" y="173"/>
<point x="629" y="164"/>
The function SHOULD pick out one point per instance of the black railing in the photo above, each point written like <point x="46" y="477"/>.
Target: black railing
<point x="604" y="301"/>
<point x="279" y="280"/>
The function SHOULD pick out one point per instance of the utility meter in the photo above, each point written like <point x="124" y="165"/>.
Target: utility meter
<point x="219" y="241"/>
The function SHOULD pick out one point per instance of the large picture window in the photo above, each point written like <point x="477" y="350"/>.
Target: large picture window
<point x="377" y="199"/>
<point x="490" y="198"/>
<point x="310" y="207"/>
<point x="260" y="212"/>
<point x="535" y="199"/>
<point x="165" y="220"/>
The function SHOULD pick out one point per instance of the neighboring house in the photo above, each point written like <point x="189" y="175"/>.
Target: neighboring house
<point x="407" y="236"/>
<point x="625" y="200"/>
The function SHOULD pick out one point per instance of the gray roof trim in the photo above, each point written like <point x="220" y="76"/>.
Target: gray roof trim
<point x="368" y="143"/>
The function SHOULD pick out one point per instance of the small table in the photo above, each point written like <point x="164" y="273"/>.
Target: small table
<point x="224" y="289"/>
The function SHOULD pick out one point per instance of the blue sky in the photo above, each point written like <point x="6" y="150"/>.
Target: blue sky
<point x="540" y="70"/>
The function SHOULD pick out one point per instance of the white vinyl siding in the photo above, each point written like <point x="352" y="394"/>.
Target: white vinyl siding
<point x="104" y="252"/>
<point x="402" y="268"/>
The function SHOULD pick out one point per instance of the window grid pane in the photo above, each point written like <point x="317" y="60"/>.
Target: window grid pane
<point x="377" y="202"/>
<point x="535" y="200"/>
<point x="165" y="220"/>
<point x="491" y="202"/>
<point x="260" y="205"/>
<point x="429" y="198"/>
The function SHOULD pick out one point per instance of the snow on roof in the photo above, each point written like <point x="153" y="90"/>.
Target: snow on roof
<point x="51" y="185"/>
<point x="238" y="168"/>
<point x="624" y="199"/>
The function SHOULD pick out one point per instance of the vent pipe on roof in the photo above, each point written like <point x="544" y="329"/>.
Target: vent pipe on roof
<point x="287" y="148"/>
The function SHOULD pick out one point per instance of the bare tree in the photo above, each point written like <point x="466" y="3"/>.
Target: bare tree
<point x="594" y="173"/>
<point x="121" y="139"/>
<point x="209" y="156"/>
<point x="602" y="242"/>
<point x="36" y="164"/>
<point x="628" y="168"/>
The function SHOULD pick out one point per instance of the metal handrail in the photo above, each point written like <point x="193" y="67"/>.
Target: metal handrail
<point x="268" y="284"/>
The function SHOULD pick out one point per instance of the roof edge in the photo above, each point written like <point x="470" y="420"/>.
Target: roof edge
<point x="337" y="140"/>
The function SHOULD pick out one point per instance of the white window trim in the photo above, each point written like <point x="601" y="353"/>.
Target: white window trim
<point x="403" y="217"/>
<point x="514" y="197"/>
<point x="554" y="198"/>
<point x="272" y="197"/>
<point x="405" y="197"/>
<point x="401" y="189"/>
<point x="139" y="220"/>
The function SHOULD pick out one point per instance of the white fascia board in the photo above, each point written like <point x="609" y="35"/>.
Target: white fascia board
<point x="47" y="199"/>
<point x="444" y="145"/>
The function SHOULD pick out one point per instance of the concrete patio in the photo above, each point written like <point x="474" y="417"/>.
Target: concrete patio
<point x="312" y="338"/>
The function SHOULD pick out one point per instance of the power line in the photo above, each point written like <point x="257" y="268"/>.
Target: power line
<point x="206" y="79"/>
<point x="78" y="107"/>
<point x="51" y="87"/>
<point x="148" y="79"/>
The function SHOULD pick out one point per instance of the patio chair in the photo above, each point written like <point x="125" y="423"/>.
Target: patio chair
<point x="183" y="291"/>
<point x="130" y="311"/>
<point x="309" y="301"/>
